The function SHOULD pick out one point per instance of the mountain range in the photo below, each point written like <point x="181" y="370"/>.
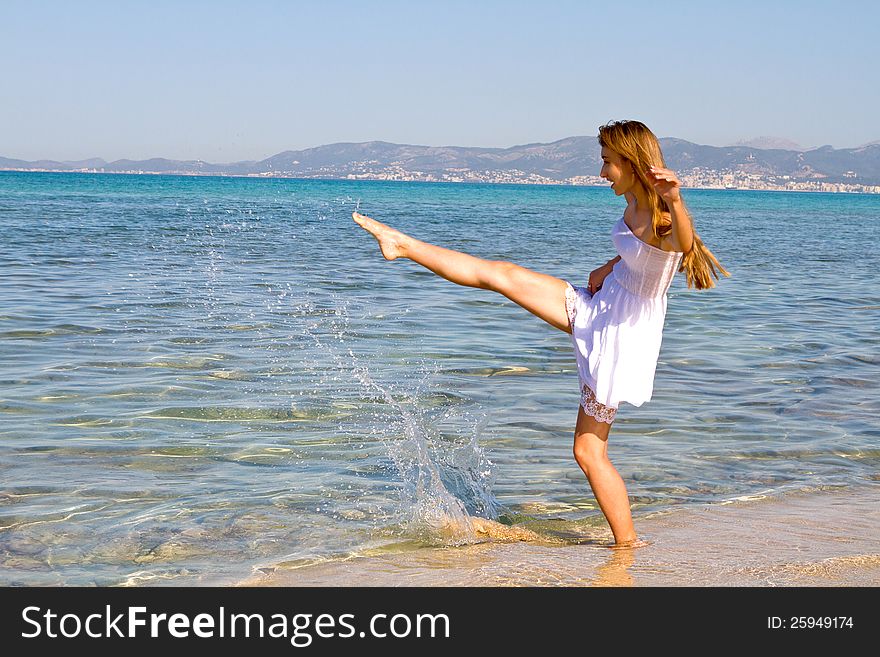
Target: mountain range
<point x="562" y="160"/>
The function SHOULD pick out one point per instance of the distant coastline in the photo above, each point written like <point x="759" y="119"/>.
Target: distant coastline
<point x="569" y="161"/>
<point x="803" y="187"/>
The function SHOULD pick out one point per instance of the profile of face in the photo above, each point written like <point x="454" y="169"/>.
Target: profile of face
<point x="618" y="171"/>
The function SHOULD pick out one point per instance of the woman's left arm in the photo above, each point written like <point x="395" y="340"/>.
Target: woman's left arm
<point x="668" y="187"/>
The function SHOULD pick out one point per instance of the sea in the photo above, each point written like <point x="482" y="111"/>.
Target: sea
<point x="221" y="381"/>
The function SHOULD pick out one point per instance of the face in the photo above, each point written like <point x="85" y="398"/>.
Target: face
<point x="617" y="171"/>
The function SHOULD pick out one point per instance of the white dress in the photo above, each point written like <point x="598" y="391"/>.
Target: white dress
<point x="617" y="331"/>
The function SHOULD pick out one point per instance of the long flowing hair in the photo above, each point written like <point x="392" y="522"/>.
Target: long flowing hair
<point x="633" y="141"/>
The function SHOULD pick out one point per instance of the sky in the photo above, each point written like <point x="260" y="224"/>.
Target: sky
<point x="227" y="81"/>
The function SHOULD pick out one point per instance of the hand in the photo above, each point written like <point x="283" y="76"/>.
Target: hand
<point x="666" y="184"/>
<point x="597" y="277"/>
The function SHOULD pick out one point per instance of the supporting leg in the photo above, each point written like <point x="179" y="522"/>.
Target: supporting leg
<point x="591" y="454"/>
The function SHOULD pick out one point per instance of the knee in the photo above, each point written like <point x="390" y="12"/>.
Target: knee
<point x="588" y="455"/>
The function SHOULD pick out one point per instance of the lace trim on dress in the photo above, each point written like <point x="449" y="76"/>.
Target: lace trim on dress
<point x="570" y="296"/>
<point x="594" y="409"/>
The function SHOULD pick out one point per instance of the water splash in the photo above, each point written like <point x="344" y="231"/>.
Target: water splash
<point x="442" y="484"/>
<point x="443" y="478"/>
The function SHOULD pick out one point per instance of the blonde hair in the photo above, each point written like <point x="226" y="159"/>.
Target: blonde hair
<point x="634" y="142"/>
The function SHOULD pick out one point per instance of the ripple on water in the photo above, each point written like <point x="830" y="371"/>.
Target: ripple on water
<point x="232" y="375"/>
<point x="509" y="370"/>
<point x="161" y="362"/>
<point x="190" y="339"/>
<point x="24" y="409"/>
<point x="248" y="327"/>
<point x="243" y="414"/>
<point x="58" y="330"/>
<point x="89" y="420"/>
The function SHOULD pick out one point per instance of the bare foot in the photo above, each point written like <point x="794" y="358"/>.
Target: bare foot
<point x="392" y="242"/>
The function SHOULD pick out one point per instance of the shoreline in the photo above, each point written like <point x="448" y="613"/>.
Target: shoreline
<point x="812" y="537"/>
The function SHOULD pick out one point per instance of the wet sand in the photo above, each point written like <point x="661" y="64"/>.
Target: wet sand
<point x="825" y="537"/>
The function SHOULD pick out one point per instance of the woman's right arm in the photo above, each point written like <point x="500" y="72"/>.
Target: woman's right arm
<point x="597" y="276"/>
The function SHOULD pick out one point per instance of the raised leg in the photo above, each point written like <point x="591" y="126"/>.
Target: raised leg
<point x="591" y="454"/>
<point x="540" y="294"/>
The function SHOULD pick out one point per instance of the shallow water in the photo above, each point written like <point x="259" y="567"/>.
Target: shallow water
<point x="824" y="537"/>
<point x="202" y="377"/>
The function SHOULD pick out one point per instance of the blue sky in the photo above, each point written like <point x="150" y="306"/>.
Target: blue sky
<point x="227" y="81"/>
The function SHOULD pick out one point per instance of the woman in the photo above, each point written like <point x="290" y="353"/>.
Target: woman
<point x="616" y="322"/>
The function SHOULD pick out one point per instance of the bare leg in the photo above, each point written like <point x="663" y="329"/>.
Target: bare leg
<point x="540" y="294"/>
<point x="591" y="454"/>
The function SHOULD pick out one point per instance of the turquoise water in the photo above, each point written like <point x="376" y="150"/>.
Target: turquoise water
<point x="200" y="377"/>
